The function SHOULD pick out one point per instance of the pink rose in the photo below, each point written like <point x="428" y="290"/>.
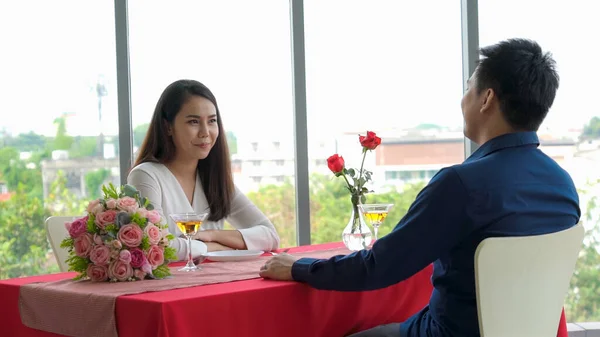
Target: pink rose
<point x="130" y="235"/>
<point x="120" y="270"/>
<point x="125" y="256"/>
<point x="97" y="209"/>
<point x="97" y="273"/>
<point x="153" y="233"/>
<point x="83" y="245"/>
<point x="164" y="232"/>
<point x="139" y="274"/>
<point x="100" y="255"/>
<point x="117" y="244"/>
<point x="147" y="268"/>
<point x="77" y="227"/>
<point x="105" y="218"/>
<point x="137" y="257"/>
<point x="163" y="237"/>
<point x="142" y="212"/>
<point x="111" y="203"/>
<point x="127" y="204"/>
<point x="153" y="216"/>
<point x="98" y="239"/>
<point x="92" y="205"/>
<point x="155" y="256"/>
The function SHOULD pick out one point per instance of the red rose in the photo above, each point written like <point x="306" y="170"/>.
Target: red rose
<point x="335" y="163"/>
<point x="370" y="141"/>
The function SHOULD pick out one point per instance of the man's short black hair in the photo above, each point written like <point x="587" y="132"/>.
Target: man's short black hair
<point x="523" y="78"/>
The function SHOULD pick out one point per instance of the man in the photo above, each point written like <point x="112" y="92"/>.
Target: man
<point x="508" y="187"/>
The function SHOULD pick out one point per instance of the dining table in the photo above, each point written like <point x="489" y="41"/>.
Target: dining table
<point x="248" y="307"/>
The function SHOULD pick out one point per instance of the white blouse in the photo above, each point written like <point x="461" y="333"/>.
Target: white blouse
<point x="156" y="182"/>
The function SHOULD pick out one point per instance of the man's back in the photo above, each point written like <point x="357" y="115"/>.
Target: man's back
<point x="513" y="189"/>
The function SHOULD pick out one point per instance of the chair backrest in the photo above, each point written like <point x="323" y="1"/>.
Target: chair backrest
<point x="56" y="232"/>
<point x="521" y="282"/>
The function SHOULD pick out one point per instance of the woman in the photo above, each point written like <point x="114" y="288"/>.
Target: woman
<point x="183" y="166"/>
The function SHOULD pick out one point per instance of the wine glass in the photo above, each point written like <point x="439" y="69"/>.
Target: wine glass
<point x="188" y="224"/>
<point x="375" y="213"/>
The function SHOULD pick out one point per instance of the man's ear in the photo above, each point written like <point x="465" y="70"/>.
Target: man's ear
<point x="489" y="96"/>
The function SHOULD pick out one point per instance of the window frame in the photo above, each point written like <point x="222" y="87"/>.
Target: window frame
<point x="470" y="46"/>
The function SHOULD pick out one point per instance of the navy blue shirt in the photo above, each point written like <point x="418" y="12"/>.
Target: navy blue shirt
<point x="508" y="187"/>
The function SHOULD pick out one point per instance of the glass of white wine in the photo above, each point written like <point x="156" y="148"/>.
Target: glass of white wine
<point x="189" y="224"/>
<point x="375" y="213"/>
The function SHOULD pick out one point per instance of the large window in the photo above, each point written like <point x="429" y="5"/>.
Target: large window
<point x="58" y="135"/>
<point x="241" y="51"/>
<point x="571" y="132"/>
<point x="393" y="67"/>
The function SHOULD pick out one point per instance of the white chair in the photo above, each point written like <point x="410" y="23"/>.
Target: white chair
<point x="56" y="232"/>
<point x="521" y="282"/>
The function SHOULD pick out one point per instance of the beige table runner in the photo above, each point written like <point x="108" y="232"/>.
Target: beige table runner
<point x="87" y="309"/>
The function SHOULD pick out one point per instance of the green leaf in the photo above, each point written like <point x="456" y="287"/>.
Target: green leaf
<point x="161" y="271"/>
<point x="77" y="263"/>
<point x="111" y="229"/>
<point x="80" y="276"/>
<point x="351" y="172"/>
<point x="67" y="242"/>
<point x="129" y="191"/>
<point x="91" y="226"/>
<point x="170" y="254"/>
<point x="145" y="243"/>
<point x="147" y="204"/>
<point x="141" y="221"/>
<point x="361" y="182"/>
<point x="110" y="191"/>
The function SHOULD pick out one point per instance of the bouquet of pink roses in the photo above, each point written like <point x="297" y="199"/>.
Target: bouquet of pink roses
<point x="121" y="239"/>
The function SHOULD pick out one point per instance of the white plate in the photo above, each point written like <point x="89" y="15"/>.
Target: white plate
<point x="233" y="255"/>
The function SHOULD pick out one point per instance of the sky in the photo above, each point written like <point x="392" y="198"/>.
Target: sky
<point x="370" y="64"/>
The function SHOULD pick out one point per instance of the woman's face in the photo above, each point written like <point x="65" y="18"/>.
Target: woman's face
<point x="195" y="129"/>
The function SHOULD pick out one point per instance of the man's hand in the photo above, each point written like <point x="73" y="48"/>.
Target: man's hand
<point x="278" y="268"/>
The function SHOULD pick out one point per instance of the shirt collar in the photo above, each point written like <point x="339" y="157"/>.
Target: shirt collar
<point x="504" y="141"/>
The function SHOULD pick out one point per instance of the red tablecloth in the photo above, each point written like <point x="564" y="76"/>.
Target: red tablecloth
<point x="254" y="307"/>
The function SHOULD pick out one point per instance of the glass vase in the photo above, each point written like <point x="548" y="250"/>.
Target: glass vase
<point x="356" y="235"/>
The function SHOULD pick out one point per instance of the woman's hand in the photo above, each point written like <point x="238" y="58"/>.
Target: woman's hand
<point x="205" y="236"/>
<point x="208" y="238"/>
<point x="227" y="238"/>
<point x="215" y="246"/>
